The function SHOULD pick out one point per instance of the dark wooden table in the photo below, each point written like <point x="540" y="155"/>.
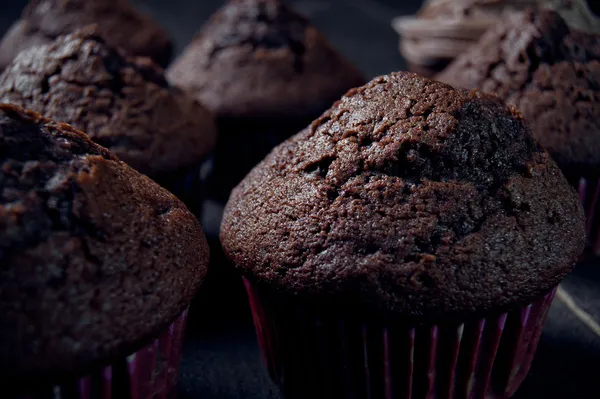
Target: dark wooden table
<point x="223" y="361"/>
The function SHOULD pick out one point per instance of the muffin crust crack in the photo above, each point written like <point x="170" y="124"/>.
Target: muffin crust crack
<point x="95" y="258"/>
<point x="551" y="73"/>
<point x="407" y="187"/>
<point x="122" y="103"/>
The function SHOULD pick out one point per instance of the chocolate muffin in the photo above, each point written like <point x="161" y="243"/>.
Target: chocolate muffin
<point x="122" y="103"/>
<point x="443" y="29"/>
<point x="98" y="266"/>
<point x="408" y="216"/>
<point x="266" y="73"/>
<point x="118" y="21"/>
<point x="552" y="74"/>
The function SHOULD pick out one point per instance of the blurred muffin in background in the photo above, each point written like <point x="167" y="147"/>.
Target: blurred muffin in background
<point x="443" y="29"/>
<point x="266" y="72"/>
<point x="117" y="20"/>
<point x="99" y="265"/>
<point x="123" y="103"/>
<point x="552" y="74"/>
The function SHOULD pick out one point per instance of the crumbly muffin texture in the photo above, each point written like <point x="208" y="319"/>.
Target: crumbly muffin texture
<point x="408" y="197"/>
<point x="121" y="102"/>
<point x="118" y="21"/>
<point x="95" y="258"/>
<point x="259" y="58"/>
<point x="551" y="73"/>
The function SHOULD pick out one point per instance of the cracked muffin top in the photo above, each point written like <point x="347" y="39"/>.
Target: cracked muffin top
<point x="94" y="256"/>
<point x="124" y="104"/>
<point x="551" y="73"/>
<point x="118" y="21"/>
<point x="408" y="197"/>
<point x="259" y="58"/>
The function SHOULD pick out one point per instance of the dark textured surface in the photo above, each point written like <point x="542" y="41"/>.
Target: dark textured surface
<point x="221" y="359"/>
<point x="122" y="103"/>
<point x="266" y="72"/>
<point x="281" y="65"/>
<point x="95" y="257"/>
<point x="44" y="20"/>
<point x="410" y="197"/>
<point x="562" y="103"/>
<point x="551" y="74"/>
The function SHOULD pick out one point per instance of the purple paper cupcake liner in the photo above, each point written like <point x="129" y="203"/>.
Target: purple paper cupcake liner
<point x="589" y="194"/>
<point x="312" y="354"/>
<point x="149" y="373"/>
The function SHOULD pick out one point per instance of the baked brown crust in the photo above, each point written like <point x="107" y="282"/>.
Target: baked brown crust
<point x="95" y="258"/>
<point x="412" y="198"/>
<point x="122" y="103"/>
<point x="552" y="74"/>
<point x="444" y="29"/>
<point x="259" y="58"/>
<point x="118" y="21"/>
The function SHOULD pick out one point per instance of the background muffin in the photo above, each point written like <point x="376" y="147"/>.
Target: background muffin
<point x="444" y="29"/>
<point x="411" y="222"/>
<point x="118" y="21"/>
<point x="97" y="262"/>
<point x="266" y="73"/>
<point x="552" y="74"/>
<point x="122" y="103"/>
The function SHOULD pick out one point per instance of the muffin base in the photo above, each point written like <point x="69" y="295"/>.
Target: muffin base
<point x="311" y="353"/>
<point x="589" y="194"/>
<point x="149" y="373"/>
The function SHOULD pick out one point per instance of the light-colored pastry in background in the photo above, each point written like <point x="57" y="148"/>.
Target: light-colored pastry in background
<point x="442" y="29"/>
